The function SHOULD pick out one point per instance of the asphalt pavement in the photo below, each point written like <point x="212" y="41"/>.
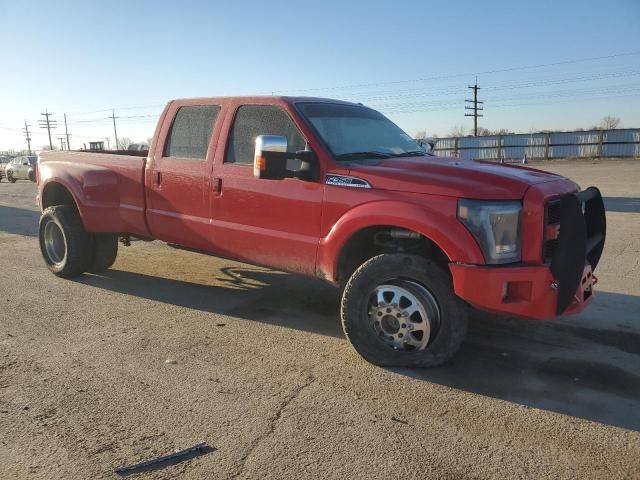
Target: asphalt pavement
<point x="169" y="348"/>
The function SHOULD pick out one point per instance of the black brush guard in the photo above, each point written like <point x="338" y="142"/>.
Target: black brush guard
<point x="581" y="239"/>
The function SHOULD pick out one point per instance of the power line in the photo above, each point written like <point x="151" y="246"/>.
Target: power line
<point x="403" y="81"/>
<point x="449" y="90"/>
<point x="614" y="89"/>
<point x="468" y="74"/>
<point x="134" y="107"/>
<point x="456" y="106"/>
<point x="108" y="119"/>
<point x="9" y="128"/>
<point x="475" y="109"/>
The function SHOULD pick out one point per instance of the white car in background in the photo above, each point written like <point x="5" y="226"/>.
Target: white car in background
<point x="3" y="164"/>
<point x="21" y="168"/>
<point x="138" y="147"/>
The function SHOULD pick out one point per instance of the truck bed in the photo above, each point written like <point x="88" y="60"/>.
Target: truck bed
<point x="108" y="187"/>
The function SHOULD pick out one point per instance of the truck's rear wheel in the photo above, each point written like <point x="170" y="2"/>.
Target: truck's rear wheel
<point x="400" y="310"/>
<point x="104" y="251"/>
<point x="64" y="243"/>
<point x="10" y="177"/>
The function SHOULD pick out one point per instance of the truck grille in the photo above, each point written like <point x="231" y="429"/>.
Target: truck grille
<point x="580" y="239"/>
<point x="553" y="212"/>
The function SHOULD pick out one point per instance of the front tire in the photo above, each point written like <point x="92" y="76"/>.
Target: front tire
<point x="64" y="243"/>
<point x="400" y="311"/>
<point x="10" y="178"/>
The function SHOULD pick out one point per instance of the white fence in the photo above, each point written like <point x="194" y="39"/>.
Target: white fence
<point x="546" y="145"/>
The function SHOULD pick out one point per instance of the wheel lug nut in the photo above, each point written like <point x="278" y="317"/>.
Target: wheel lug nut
<point x="388" y="310"/>
<point x="400" y="335"/>
<point x="404" y="325"/>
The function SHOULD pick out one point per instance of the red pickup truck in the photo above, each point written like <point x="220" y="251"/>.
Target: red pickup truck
<point x="335" y="190"/>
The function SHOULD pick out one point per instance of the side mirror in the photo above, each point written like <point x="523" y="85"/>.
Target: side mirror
<point x="269" y="166"/>
<point x="272" y="161"/>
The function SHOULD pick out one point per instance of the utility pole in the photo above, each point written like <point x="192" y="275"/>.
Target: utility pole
<point x="66" y="132"/>
<point x="115" y="133"/>
<point x="62" y="144"/>
<point x="27" y="136"/>
<point x="48" y="124"/>
<point x="475" y="108"/>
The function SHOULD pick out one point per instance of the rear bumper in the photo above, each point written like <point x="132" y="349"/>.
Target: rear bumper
<point x="527" y="291"/>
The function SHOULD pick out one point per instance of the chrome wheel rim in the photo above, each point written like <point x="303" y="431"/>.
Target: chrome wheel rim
<point x="404" y="315"/>
<point x="54" y="243"/>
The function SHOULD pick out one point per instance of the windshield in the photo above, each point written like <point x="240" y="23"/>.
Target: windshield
<point x="353" y="131"/>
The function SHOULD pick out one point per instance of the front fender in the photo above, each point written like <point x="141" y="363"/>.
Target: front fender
<point x="435" y="219"/>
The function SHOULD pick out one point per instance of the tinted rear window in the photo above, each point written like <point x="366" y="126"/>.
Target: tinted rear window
<point x="191" y="132"/>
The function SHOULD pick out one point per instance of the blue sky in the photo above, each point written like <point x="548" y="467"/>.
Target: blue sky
<point x="412" y="60"/>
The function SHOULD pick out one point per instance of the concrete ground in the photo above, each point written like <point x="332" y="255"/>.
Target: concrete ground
<point x="260" y="370"/>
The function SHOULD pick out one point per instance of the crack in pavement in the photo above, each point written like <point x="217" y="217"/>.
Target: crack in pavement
<point x="273" y="422"/>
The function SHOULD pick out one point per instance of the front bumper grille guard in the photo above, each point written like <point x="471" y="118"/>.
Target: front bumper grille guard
<point x="581" y="239"/>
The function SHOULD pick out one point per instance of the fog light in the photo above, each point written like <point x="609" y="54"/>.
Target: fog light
<point x="513" y="292"/>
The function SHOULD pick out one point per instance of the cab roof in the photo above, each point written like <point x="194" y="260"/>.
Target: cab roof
<point x="262" y="98"/>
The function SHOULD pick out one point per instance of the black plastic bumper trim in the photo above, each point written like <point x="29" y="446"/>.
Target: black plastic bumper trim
<point x="581" y="240"/>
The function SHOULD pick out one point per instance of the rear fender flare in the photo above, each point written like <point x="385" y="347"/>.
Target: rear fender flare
<point x="94" y="190"/>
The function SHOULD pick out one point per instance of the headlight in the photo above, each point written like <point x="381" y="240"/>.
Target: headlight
<point x="496" y="227"/>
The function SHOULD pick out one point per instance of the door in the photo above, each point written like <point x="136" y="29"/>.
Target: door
<point x="268" y="222"/>
<point x="20" y="169"/>
<point x="23" y="168"/>
<point x="178" y="190"/>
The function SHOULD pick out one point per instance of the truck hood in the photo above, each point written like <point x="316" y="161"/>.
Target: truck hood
<point x="452" y="177"/>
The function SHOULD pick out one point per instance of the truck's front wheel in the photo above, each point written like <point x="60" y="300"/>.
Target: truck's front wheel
<point x="64" y="243"/>
<point x="400" y="310"/>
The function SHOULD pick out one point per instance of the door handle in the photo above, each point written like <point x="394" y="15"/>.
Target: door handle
<point x="158" y="177"/>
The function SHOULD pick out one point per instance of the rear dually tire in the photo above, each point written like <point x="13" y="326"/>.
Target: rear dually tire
<point x="103" y="252"/>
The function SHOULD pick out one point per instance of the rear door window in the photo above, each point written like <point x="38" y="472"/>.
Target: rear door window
<point x="254" y="120"/>
<point x="191" y="131"/>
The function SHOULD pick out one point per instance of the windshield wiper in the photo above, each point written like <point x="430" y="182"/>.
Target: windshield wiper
<point x="355" y="155"/>
<point x="414" y="153"/>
